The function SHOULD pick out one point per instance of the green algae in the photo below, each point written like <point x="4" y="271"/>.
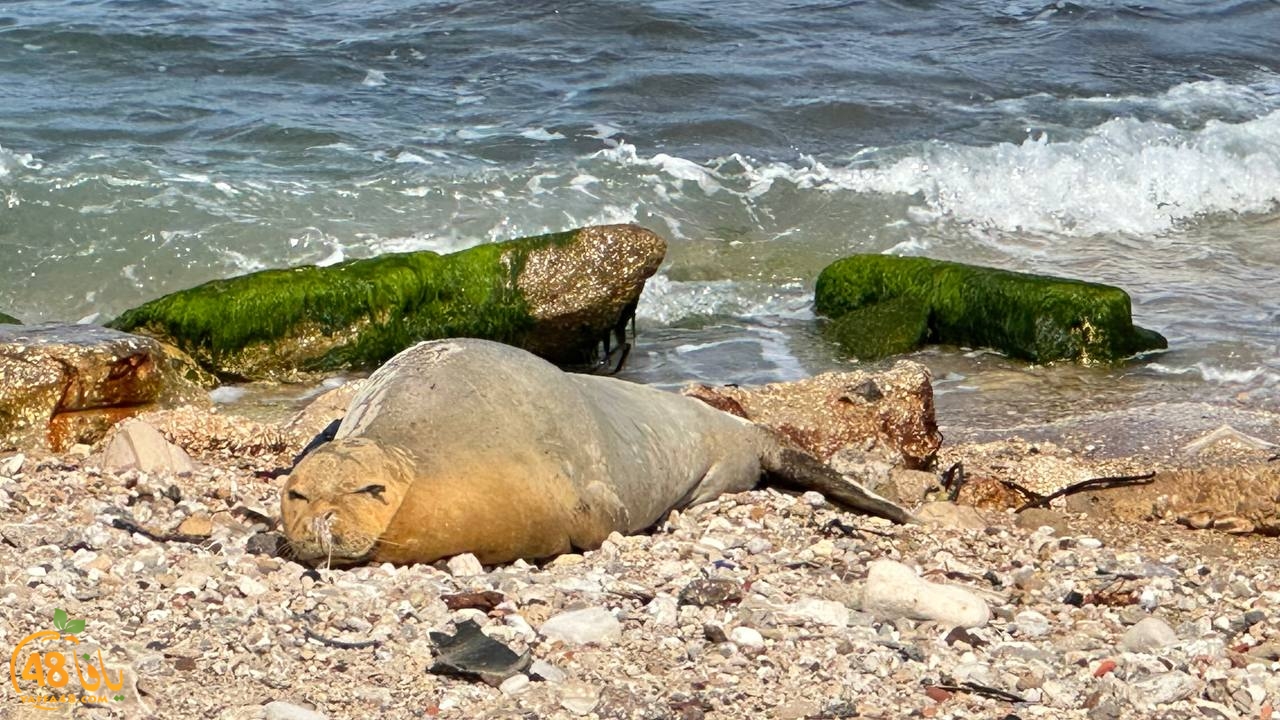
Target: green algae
<point x="278" y="324"/>
<point x="880" y="303"/>
<point x="9" y="320"/>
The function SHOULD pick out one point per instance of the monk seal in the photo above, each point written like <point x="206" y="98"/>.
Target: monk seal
<point x="470" y="446"/>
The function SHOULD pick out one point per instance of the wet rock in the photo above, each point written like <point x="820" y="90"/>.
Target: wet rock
<point x="894" y="591"/>
<point x="136" y="445"/>
<point x="1147" y="635"/>
<point x="833" y="411"/>
<point x="67" y="384"/>
<point x="581" y="627"/>
<point x="558" y="296"/>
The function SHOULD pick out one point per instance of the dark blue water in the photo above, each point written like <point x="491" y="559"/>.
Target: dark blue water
<point x="149" y="146"/>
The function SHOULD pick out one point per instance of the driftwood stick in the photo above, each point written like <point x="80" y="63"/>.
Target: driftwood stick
<point x="1102" y="483"/>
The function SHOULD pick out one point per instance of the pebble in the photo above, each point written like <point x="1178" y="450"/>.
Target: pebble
<point x="1147" y="635"/>
<point x="545" y="671"/>
<point x="1031" y="624"/>
<point x="951" y="515"/>
<point x="465" y="565"/>
<point x="894" y="591"/>
<point x="745" y="637"/>
<point x="12" y="465"/>
<point x="1163" y="688"/>
<point x="250" y="587"/>
<point x="515" y="684"/>
<point x="812" y="611"/>
<point x="580" y="627"/>
<point x="279" y="710"/>
<point x="578" y="697"/>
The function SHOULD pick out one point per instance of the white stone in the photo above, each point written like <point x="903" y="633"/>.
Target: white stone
<point x="139" y="446"/>
<point x="250" y="587"/>
<point x="745" y="637"/>
<point x="548" y="672"/>
<point x="1163" y="688"/>
<point x="579" y="627"/>
<point x="664" y="611"/>
<point x="464" y="565"/>
<point x="278" y="710"/>
<point x="12" y="465"/>
<point x="579" y="698"/>
<point x="1147" y="635"/>
<point x="1031" y="624"/>
<point x="894" y="591"/>
<point x="515" y="684"/>
<point x="812" y="611"/>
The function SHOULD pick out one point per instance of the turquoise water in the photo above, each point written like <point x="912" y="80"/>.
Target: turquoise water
<point x="149" y="146"/>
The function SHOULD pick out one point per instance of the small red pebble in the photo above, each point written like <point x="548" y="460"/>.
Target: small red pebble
<point x="1104" y="667"/>
<point x="1265" y="712"/>
<point x="433" y="710"/>
<point x="937" y="694"/>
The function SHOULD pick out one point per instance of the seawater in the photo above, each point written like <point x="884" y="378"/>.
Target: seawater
<point x="147" y="146"/>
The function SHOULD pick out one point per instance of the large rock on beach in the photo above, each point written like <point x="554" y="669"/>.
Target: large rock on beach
<point x="823" y="415"/>
<point x="67" y="384"/>
<point x="882" y="305"/>
<point x="560" y="296"/>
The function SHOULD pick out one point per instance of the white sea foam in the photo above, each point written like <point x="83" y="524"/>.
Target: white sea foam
<point x="374" y="78"/>
<point x="1142" y="177"/>
<point x="540" y="134"/>
<point x="1222" y="375"/>
<point x="10" y="161"/>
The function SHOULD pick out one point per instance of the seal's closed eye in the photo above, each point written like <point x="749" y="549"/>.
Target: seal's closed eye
<point x="374" y="490"/>
<point x="295" y="495"/>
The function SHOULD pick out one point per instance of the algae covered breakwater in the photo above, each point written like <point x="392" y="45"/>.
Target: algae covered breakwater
<point x="883" y="305"/>
<point x="559" y="295"/>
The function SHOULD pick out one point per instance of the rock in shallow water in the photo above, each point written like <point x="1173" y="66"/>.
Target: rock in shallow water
<point x="894" y="591"/>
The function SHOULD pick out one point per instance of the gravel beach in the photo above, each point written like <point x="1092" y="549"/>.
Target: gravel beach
<point x="760" y="604"/>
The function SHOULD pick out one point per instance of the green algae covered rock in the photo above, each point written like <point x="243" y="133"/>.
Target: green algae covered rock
<point x="9" y="320"/>
<point x="883" y="305"/>
<point x="556" y="295"/>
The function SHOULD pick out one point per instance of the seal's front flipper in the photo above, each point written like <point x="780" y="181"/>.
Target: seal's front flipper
<point x="799" y="470"/>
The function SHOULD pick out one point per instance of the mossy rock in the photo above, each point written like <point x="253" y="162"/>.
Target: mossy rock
<point x="9" y="320"/>
<point x="558" y="295"/>
<point x="883" y="305"/>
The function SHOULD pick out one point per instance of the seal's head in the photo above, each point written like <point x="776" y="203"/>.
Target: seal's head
<point x="340" y="499"/>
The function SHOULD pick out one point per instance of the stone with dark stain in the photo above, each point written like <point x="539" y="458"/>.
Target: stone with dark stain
<point x="67" y="384"/>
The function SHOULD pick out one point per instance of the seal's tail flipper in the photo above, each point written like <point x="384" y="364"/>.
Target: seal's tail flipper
<point x="799" y="470"/>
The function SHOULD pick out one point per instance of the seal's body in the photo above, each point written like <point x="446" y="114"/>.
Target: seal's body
<point x="466" y="445"/>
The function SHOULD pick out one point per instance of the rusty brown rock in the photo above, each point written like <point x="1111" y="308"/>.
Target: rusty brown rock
<point x="67" y="384"/>
<point x="890" y="410"/>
